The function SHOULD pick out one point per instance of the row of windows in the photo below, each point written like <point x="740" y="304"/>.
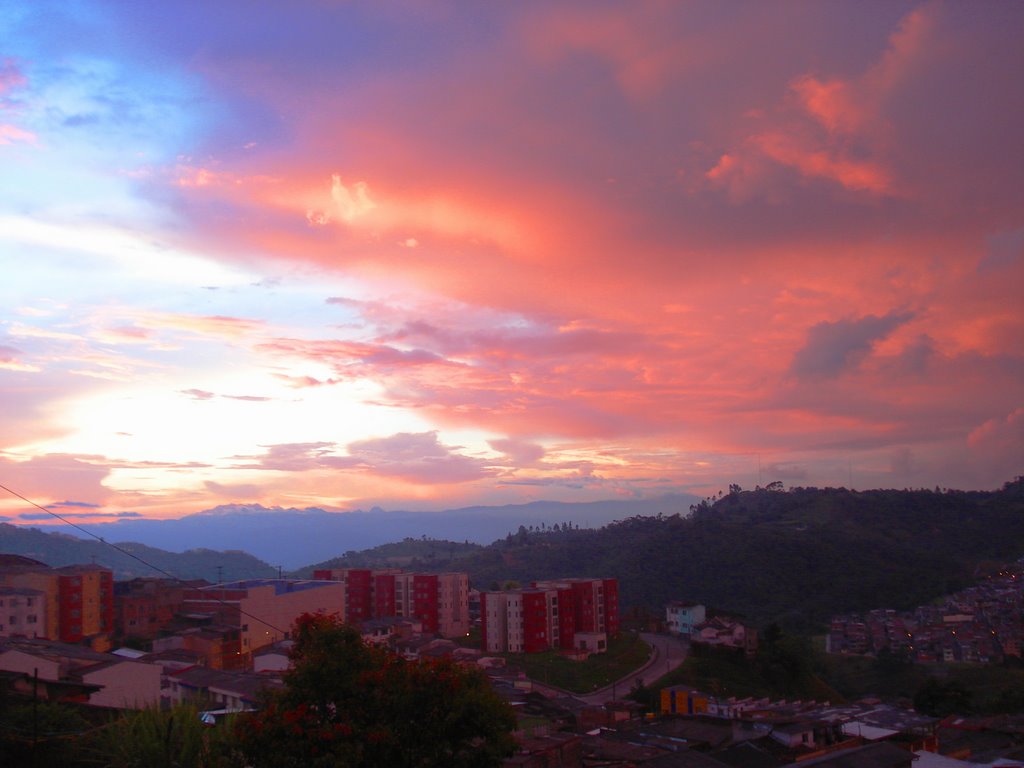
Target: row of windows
<point x="14" y="602"/>
<point x="32" y="619"/>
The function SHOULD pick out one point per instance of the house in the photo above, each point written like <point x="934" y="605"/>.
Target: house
<point x="725" y="632"/>
<point x="233" y="691"/>
<point x="22" y="612"/>
<point x="881" y="755"/>
<point x="262" y="611"/>
<point x="109" y="680"/>
<point x="123" y="683"/>
<point x="682" y="617"/>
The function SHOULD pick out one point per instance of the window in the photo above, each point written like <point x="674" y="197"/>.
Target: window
<point x="32" y="619"/>
<point x="12" y="620"/>
<point x="29" y="601"/>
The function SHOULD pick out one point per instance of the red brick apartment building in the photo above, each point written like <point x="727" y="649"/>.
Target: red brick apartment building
<point x="564" y="613"/>
<point x="145" y="606"/>
<point x="439" y="601"/>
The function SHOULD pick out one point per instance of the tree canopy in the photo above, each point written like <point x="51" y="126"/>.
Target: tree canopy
<point x="346" y="703"/>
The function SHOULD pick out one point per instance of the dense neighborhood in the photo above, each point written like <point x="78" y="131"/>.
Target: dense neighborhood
<point x="982" y="624"/>
<point x="73" y="635"/>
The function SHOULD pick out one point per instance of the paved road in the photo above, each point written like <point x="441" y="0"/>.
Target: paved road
<point x="667" y="653"/>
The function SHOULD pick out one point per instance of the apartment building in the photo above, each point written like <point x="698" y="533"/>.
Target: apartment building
<point x="439" y="601"/>
<point x="22" y="612"/>
<point x="143" y="607"/>
<point x="564" y="614"/>
<point x="595" y="602"/>
<point x="75" y="603"/>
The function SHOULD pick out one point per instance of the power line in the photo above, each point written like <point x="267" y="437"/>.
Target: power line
<point x="133" y="556"/>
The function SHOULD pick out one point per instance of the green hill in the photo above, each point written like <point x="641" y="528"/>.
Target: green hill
<point x="425" y="553"/>
<point x="795" y="556"/>
<point x="57" y="549"/>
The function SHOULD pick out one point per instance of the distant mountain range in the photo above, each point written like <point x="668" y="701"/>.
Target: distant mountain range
<point x="795" y="556"/>
<point x="292" y="538"/>
<point x="57" y="549"/>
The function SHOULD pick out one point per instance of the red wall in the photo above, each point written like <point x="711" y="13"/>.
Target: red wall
<point x="586" y="611"/>
<point x="69" y="600"/>
<point x="384" y="595"/>
<point x="425" y="600"/>
<point x="566" y="617"/>
<point x="535" y="622"/>
<point x="358" y="595"/>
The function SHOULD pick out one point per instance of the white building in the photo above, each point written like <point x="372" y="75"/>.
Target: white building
<point x="682" y="617"/>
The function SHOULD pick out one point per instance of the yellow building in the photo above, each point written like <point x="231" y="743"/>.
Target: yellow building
<point x="683" y="700"/>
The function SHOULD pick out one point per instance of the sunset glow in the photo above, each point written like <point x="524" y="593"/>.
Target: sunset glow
<point x="424" y="255"/>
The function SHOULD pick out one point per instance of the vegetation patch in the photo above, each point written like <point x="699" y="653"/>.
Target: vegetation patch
<point x="626" y="653"/>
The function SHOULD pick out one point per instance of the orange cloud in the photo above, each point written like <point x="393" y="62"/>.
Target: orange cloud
<point x="823" y="163"/>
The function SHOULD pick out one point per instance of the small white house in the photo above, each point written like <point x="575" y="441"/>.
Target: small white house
<point x="682" y="617"/>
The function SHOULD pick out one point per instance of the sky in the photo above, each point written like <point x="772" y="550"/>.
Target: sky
<point x="425" y="254"/>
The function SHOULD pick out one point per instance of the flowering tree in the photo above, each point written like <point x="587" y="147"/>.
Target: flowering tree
<point x="349" y="704"/>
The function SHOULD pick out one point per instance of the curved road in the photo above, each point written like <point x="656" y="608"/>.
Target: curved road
<point x="667" y="653"/>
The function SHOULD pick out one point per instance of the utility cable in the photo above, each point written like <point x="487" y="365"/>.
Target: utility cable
<point x="133" y="556"/>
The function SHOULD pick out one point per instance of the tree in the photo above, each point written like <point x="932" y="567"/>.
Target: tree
<point x="46" y="733"/>
<point x="939" y="699"/>
<point x="349" y="704"/>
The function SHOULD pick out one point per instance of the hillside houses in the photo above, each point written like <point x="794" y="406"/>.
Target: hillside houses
<point x="689" y="620"/>
<point x="983" y="624"/>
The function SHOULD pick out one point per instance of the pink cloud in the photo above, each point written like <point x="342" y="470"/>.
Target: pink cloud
<point x="12" y="134"/>
<point x="1002" y="439"/>
<point x="822" y="163"/>
<point x="522" y="453"/>
<point x="299" y="457"/>
<point x="11" y="78"/>
<point x="417" y="458"/>
<point x="54" y="477"/>
<point x="692" y="228"/>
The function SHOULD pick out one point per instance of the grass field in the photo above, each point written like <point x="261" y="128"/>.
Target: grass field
<point x="626" y="653"/>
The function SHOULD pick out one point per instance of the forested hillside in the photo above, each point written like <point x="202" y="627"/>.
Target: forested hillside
<point x="796" y="556"/>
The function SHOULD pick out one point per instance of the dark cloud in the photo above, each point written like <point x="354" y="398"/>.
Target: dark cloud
<point x="85" y="504"/>
<point x="74" y="121"/>
<point x="834" y="348"/>
<point x="32" y="516"/>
